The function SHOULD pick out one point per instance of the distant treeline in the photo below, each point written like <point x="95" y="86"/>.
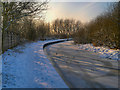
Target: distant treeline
<point x="64" y="28"/>
<point x="103" y="30"/>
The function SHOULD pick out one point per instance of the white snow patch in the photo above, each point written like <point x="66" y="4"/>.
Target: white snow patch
<point x="28" y="67"/>
<point x="102" y="51"/>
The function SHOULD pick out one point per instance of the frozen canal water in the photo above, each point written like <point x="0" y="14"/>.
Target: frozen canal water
<point x="82" y="68"/>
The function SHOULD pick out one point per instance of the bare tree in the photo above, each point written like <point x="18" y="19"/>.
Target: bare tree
<point x="13" y="11"/>
<point x="66" y="27"/>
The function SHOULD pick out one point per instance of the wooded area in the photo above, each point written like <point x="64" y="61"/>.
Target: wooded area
<point x="17" y="18"/>
<point x="20" y="18"/>
<point x="103" y="30"/>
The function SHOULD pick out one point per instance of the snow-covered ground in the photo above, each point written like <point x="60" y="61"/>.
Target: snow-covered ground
<point x="102" y="51"/>
<point x="26" y="66"/>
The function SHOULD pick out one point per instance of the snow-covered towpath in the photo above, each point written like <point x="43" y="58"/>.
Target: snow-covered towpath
<point x="26" y="66"/>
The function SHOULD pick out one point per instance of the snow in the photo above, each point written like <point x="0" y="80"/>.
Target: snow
<point x="102" y="51"/>
<point x="26" y="66"/>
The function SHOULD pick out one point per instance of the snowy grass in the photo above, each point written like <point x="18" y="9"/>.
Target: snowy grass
<point x="102" y="51"/>
<point x="27" y="67"/>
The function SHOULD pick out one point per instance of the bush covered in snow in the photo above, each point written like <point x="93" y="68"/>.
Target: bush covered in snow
<point x="102" y="51"/>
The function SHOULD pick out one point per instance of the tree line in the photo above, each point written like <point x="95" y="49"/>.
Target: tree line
<point x="64" y="28"/>
<point x="31" y="29"/>
<point x="103" y="30"/>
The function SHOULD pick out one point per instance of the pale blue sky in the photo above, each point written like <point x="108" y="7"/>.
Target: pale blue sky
<point x="83" y="11"/>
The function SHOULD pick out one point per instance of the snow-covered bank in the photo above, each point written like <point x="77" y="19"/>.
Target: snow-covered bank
<point x="102" y="51"/>
<point x="27" y="67"/>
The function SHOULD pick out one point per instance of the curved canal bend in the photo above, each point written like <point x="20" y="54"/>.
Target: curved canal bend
<point x="82" y="69"/>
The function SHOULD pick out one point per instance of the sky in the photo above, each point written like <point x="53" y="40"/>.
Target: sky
<point x="83" y="11"/>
